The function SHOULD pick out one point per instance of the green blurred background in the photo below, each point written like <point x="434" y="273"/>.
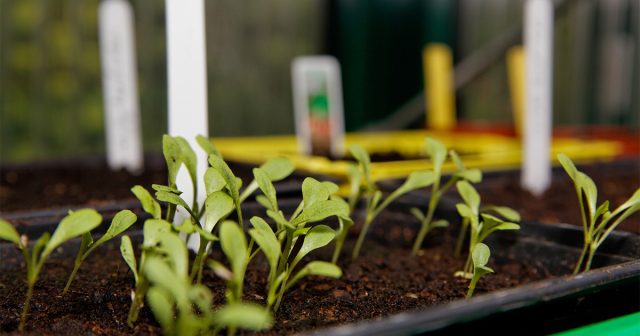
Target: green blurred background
<point x="50" y="81"/>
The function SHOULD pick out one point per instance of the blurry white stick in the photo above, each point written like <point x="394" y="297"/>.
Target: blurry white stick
<point x="119" y="82"/>
<point x="538" y="38"/>
<point x="187" y="84"/>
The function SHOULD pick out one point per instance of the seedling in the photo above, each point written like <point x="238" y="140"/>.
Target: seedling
<point x="76" y="224"/>
<point x="224" y="194"/>
<point x="438" y="154"/>
<point x="597" y="221"/>
<point x="121" y="222"/>
<point x="480" y="256"/>
<point x="481" y="223"/>
<point x="375" y="203"/>
<point x="186" y="309"/>
<point x="234" y="246"/>
<point x="293" y="239"/>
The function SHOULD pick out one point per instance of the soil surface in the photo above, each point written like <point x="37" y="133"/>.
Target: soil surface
<point x="383" y="281"/>
<point x="615" y="181"/>
<point x="74" y="183"/>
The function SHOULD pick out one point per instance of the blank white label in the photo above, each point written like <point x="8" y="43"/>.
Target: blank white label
<point x="120" y="87"/>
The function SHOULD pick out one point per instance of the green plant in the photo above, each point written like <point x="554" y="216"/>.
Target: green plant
<point x="184" y="308"/>
<point x="121" y="222"/>
<point x="375" y="203"/>
<point x="223" y="195"/>
<point x="294" y="238"/>
<point x="76" y="224"/>
<point x="480" y="222"/>
<point x="438" y="154"/>
<point x="597" y="221"/>
<point x="480" y="256"/>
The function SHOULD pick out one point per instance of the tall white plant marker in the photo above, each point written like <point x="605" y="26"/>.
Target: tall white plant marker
<point x="187" y="83"/>
<point x="538" y="38"/>
<point x="120" y="85"/>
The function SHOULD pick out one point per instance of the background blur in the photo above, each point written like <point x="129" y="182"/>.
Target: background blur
<point x="50" y="86"/>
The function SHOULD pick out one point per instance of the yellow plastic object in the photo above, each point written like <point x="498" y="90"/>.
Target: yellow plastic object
<point x="438" y="89"/>
<point x="477" y="150"/>
<point x="516" y="71"/>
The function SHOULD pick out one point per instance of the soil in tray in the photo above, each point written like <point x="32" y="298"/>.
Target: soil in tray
<point x="384" y="281"/>
<point x="616" y="182"/>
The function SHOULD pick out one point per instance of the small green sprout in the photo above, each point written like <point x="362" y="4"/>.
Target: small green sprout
<point x="597" y="221"/>
<point x="234" y="246"/>
<point x="480" y="256"/>
<point x="223" y="196"/>
<point x="293" y="239"/>
<point x="121" y="222"/>
<point x="183" y="308"/>
<point x="479" y="221"/>
<point x="151" y="229"/>
<point x="438" y="154"/>
<point x="375" y="203"/>
<point x="76" y="224"/>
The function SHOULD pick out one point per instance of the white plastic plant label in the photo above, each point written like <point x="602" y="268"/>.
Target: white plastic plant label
<point x="120" y="85"/>
<point x="536" y="137"/>
<point x="317" y="101"/>
<point x="187" y="86"/>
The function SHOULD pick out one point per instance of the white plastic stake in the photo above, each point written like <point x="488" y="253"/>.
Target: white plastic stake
<point x="187" y="83"/>
<point x="120" y="85"/>
<point x="538" y="38"/>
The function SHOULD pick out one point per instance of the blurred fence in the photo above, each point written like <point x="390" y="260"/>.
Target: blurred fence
<point x="50" y="88"/>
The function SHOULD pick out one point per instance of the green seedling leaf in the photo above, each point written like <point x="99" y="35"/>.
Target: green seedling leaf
<point x="267" y="188"/>
<point x="416" y="180"/>
<point x="331" y="187"/>
<point x="175" y="252"/>
<point x="213" y="181"/>
<point x="465" y="211"/>
<point x="469" y="195"/>
<point x="361" y="155"/>
<point x="207" y="145"/>
<point x="160" y="187"/>
<point x="161" y="274"/>
<point x="188" y="157"/>
<point x="278" y="168"/>
<point x="234" y="246"/>
<point x="126" y="249"/>
<point x="75" y="224"/>
<point x="201" y="297"/>
<point x="568" y="165"/>
<point x="161" y="304"/>
<point x="221" y="270"/>
<point x="505" y="212"/>
<point x="149" y="204"/>
<point x="440" y="223"/>
<point x="471" y="175"/>
<point x="417" y="213"/>
<point x="172" y="156"/>
<point x="589" y="192"/>
<point x="120" y="223"/>
<point x="187" y="226"/>
<point x="243" y="315"/>
<point x="264" y="201"/>
<point x="480" y="255"/>
<point x="217" y="206"/>
<point x="172" y="198"/>
<point x="321" y="210"/>
<point x="456" y="160"/>
<point x="320" y="268"/>
<point x="317" y="237"/>
<point x="267" y="240"/>
<point x="437" y="152"/>
<point x="9" y="233"/>
<point x="151" y="229"/>
<point x="313" y="191"/>
<point x="278" y="217"/>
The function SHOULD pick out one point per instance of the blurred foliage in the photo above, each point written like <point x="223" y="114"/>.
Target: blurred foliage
<point x="50" y="77"/>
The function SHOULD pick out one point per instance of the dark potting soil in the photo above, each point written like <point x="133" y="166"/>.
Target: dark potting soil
<point x="615" y="181"/>
<point x="383" y="281"/>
